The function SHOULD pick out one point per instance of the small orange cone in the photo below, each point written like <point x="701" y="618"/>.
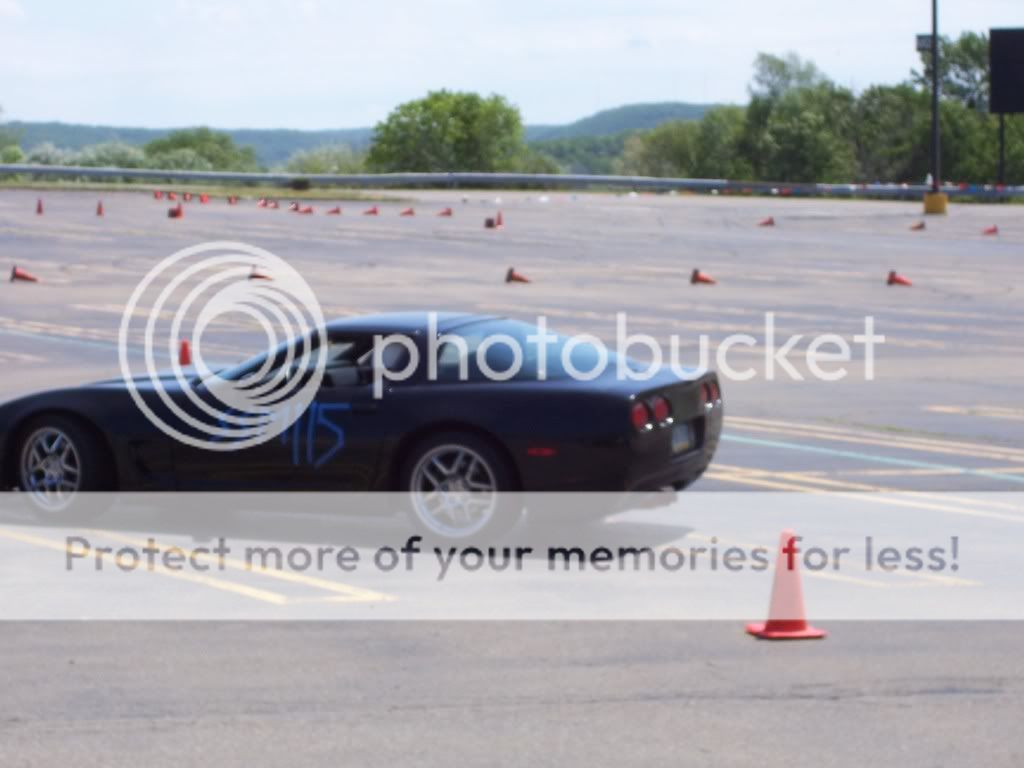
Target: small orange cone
<point x="408" y="212"/>
<point x="499" y="221"/>
<point x="371" y="211"/>
<point x="335" y="211"/>
<point x="256" y="274"/>
<point x="769" y="222"/>
<point x="307" y="210"/>
<point x="177" y="212"/>
<point x="272" y="204"/>
<point x="293" y="207"/>
<point x="99" y="208"/>
<point x="445" y="212"/>
<point x="185" y="353"/>
<point x="698" y="277"/>
<point x="172" y="195"/>
<point x="993" y="230"/>
<point x="20" y="275"/>
<point x="39" y="207"/>
<point x="917" y="227"/>
<point x="158" y="195"/>
<point x="232" y="200"/>
<point x="514" y="277"/>
<point x="897" y="279"/>
<point x="204" y="198"/>
<point x="187" y="197"/>
<point x="787" y="619"/>
<point x="261" y="203"/>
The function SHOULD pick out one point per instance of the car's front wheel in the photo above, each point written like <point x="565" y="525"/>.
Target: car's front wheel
<point x="459" y="488"/>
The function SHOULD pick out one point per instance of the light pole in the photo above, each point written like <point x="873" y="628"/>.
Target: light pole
<point x="935" y="201"/>
<point x="936" y="160"/>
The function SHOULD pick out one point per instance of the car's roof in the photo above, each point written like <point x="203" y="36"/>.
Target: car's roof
<point x="404" y="322"/>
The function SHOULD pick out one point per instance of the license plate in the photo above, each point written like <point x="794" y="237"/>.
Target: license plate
<point x="681" y="441"/>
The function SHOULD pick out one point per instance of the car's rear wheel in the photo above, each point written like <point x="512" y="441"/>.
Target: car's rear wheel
<point x="57" y="458"/>
<point x="459" y="486"/>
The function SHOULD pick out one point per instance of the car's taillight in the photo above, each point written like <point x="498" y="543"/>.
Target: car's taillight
<point x="705" y="394"/>
<point x="716" y="393"/>
<point x="661" y="409"/>
<point x="641" y="416"/>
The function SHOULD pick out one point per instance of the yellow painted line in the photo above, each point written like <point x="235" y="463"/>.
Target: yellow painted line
<point x="347" y="593"/>
<point x="983" y="411"/>
<point x="742" y="479"/>
<point x="195" y="578"/>
<point x="976" y="450"/>
<point x="949" y="498"/>
<point x="860" y="492"/>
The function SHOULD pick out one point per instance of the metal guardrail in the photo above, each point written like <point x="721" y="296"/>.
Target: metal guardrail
<point x="574" y="181"/>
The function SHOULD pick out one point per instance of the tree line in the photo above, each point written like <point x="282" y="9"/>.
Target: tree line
<point x="797" y="126"/>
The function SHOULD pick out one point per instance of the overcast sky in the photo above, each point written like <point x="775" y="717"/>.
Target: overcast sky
<point x="346" y="63"/>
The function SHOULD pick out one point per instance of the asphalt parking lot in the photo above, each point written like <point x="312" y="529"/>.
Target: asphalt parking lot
<point x="942" y="418"/>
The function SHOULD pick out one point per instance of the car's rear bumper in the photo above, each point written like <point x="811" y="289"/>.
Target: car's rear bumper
<point x="642" y="463"/>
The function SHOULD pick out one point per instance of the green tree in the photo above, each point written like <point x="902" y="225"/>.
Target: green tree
<point x="670" y="150"/>
<point x="112" y="155"/>
<point x="774" y="75"/>
<point x="339" y="159"/>
<point x="11" y="154"/>
<point x="892" y="134"/>
<point x="963" y="70"/>
<point x="216" y="148"/>
<point x="716" y="150"/>
<point x="449" y="131"/>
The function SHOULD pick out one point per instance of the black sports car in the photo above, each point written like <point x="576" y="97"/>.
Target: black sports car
<point x="443" y="430"/>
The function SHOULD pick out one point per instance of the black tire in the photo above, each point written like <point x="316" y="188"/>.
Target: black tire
<point x="95" y="464"/>
<point x="507" y="509"/>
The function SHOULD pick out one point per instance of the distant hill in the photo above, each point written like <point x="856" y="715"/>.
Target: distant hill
<point x="608" y="122"/>
<point x="274" y="146"/>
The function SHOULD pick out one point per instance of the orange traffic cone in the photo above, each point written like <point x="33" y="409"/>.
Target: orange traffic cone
<point x="172" y="195"/>
<point x="20" y="275"/>
<point x="897" y="279"/>
<point x="993" y="230"/>
<point x="99" y="208"/>
<point x="261" y="203"/>
<point x="408" y="212"/>
<point x="307" y="210"/>
<point x="158" y="195"/>
<point x="39" y="207"/>
<point x="204" y="198"/>
<point x="769" y="222"/>
<point x="256" y="274"/>
<point x="293" y="206"/>
<point x="335" y="211"/>
<point x="445" y="212"/>
<point x="917" y="227"/>
<point x="272" y="204"/>
<point x="232" y="200"/>
<point x="177" y="212"/>
<point x="499" y="221"/>
<point x="514" y="277"/>
<point x="185" y="353"/>
<point x="699" y="277"/>
<point x="371" y="211"/>
<point x="187" y="197"/>
<point x="787" y="619"/>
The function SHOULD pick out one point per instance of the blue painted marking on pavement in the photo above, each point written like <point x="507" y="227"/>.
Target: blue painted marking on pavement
<point x="870" y="457"/>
